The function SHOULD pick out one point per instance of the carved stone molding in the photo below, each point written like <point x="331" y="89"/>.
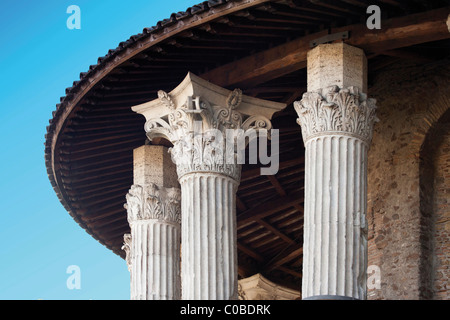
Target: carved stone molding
<point x="333" y="110"/>
<point x="257" y="287"/>
<point x="241" y="292"/>
<point x="153" y="202"/>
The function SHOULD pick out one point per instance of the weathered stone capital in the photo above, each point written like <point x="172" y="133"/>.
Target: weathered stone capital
<point x="198" y="131"/>
<point x="333" y="110"/>
<point x="201" y="119"/>
<point x="153" y="202"/>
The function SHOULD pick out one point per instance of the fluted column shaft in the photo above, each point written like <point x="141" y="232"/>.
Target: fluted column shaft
<point x="334" y="249"/>
<point x="153" y="247"/>
<point x="155" y="261"/>
<point x="209" y="255"/>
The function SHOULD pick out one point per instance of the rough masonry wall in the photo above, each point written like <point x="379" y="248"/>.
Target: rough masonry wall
<point x="409" y="99"/>
<point x="441" y="208"/>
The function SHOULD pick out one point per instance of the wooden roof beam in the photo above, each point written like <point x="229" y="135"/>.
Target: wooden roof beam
<point x="334" y="5"/>
<point x="123" y="180"/>
<point x="267" y="208"/>
<point x="93" y="215"/>
<point x="294" y="253"/>
<point x="276" y="185"/>
<point x="250" y="252"/>
<point x="275" y="231"/>
<point x="291" y="56"/>
<point x="309" y="7"/>
<point x="246" y="271"/>
<point x="256" y="172"/>
<point x="290" y="271"/>
<point x="408" y="55"/>
<point x="292" y="12"/>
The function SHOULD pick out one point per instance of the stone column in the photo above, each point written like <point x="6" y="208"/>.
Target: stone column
<point x="153" y="206"/>
<point x="336" y="119"/>
<point x="209" y="248"/>
<point x="195" y="117"/>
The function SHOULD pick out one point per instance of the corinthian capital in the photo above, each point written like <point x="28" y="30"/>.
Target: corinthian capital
<point x="197" y="117"/>
<point x="336" y="111"/>
<point x="153" y="202"/>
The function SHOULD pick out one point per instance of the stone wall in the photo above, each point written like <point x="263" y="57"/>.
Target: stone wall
<point x="410" y="101"/>
<point x="441" y="209"/>
<point x="435" y="174"/>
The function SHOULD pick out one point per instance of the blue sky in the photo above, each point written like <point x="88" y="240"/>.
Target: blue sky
<point x="39" y="58"/>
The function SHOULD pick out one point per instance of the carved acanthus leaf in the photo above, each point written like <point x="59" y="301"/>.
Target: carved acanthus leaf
<point x="336" y="110"/>
<point x="134" y="204"/>
<point x="153" y="202"/>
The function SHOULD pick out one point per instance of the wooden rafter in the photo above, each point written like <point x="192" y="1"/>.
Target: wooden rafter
<point x="267" y="208"/>
<point x="291" y="56"/>
<point x="252" y="253"/>
<point x="275" y="231"/>
<point x="255" y="172"/>
<point x="283" y="258"/>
